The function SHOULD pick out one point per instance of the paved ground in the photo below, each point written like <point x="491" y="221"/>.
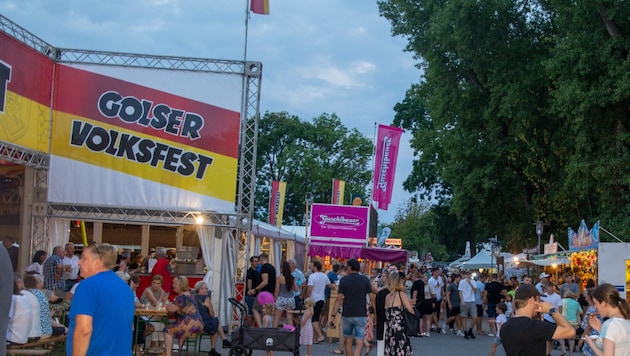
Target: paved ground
<point x="437" y="344"/>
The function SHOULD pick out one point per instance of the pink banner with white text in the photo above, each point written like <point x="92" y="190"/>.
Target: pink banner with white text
<point x="387" y="144"/>
<point x="339" y="224"/>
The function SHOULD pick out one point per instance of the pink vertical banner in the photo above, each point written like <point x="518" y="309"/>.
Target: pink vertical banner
<point x="338" y="188"/>
<point x="387" y="144"/>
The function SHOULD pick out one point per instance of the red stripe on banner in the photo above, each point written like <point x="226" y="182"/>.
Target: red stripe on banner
<point x="387" y="144"/>
<point x="31" y="71"/>
<point x="273" y="202"/>
<point x="190" y="122"/>
<point x="260" y="7"/>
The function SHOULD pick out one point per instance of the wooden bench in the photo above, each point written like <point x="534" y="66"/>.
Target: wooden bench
<point x="39" y="347"/>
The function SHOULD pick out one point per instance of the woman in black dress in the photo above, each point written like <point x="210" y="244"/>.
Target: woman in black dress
<point x="397" y="342"/>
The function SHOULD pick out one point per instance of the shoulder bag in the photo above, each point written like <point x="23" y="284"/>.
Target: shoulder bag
<point x="411" y="320"/>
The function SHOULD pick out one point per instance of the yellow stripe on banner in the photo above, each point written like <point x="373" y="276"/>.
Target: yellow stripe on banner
<point x="25" y="123"/>
<point x="218" y="180"/>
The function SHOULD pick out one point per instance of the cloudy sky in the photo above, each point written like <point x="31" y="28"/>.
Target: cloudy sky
<point x="325" y="56"/>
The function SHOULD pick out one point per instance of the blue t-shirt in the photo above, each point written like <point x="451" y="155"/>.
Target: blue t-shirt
<point x="109" y="301"/>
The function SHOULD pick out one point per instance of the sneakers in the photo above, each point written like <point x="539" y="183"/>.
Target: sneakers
<point x="213" y="353"/>
<point x="227" y="344"/>
<point x="491" y="335"/>
<point x="427" y="334"/>
<point x="460" y="333"/>
<point x="444" y="331"/>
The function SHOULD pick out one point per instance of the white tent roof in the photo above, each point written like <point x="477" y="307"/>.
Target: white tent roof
<point x="482" y="259"/>
<point x="262" y="229"/>
<point x="458" y="262"/>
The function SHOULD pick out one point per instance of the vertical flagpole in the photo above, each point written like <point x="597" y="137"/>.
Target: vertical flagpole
<point x="246" y="28"/>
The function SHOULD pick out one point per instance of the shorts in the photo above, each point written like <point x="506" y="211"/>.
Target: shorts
<point x="354" y="326"/>
<point x="491" y="310"/>
<point x="298" y="302"/>
<point x="317" y="310"/>
<point x="284" y="303"/>
<point x="249" y="300"/>
<point x="497" y="340"/>
<point x="470" y="308"/>
<point x="480" y="310"/>
<point x="426" y="307"/>
<point x="437" y="305"/>
<point x="452" y="312"/>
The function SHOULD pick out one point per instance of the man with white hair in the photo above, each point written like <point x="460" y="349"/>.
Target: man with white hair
<point x="70" y="266"/>
<point x="53" y="270"/>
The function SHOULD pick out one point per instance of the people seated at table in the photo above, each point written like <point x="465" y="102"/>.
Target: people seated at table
<point x="144" y="329"/>
<point x="154" y="295"/>
<point x="189" y="322"/>
<point x="24" y="324"/>
<point x="38" y="260"/>
<point x="34" y="284"/>
<point x="211" y="324"/>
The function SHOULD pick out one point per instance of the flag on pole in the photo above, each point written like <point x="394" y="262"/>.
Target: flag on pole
<point x="387" y="144"/>
<point x="260" y="7"/>
<point x="338" y="187"/>
<point x="276" y="202"/>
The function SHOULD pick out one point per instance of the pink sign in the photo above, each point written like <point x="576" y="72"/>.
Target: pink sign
<point x="385" y="158"/>
<point x="339" y="224"/>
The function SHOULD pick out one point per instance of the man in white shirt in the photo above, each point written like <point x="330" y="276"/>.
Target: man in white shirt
<point x="316" y="289"/>
<point x="437" y="282"/>
<point x="467" y="291"/>
<point x="551" y="296"/>
<point x="543" y="278"/>
<point x="70" y="266"/>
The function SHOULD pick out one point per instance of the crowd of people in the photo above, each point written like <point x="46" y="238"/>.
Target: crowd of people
<point x="95" y="293"/>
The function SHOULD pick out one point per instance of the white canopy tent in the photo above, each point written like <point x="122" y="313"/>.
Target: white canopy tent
<point x="483" y="259"/>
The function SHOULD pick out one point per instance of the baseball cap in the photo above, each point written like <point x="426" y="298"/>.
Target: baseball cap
<point x="526" y="291"/>
<point x="543" y="275"/>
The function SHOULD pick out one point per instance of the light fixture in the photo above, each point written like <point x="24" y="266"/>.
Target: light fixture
<point x="540" y="227"/>
<point x="199" y="220"/>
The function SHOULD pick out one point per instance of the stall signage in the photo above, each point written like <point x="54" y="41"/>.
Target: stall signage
<point x="339" y="224"/>
<point x="393" y="242"/>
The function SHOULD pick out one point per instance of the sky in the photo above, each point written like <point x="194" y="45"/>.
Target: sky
<point x="325" y="56"/>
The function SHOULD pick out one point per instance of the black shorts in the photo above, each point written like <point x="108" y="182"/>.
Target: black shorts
<point x="317" y="310"/>
<point x="480" y="310"/>
<point x="437" y="305"/>
<point x="455" y="311"/>
<point x="426" y="307"/>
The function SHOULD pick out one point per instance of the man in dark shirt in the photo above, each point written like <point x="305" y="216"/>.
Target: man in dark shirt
<point x="353" y="290"/>
<point x="380" y="319"/>
<point x="494" y="293"/>
<point x="267" y="284"/>
<point x="523" y="334"/>
<point x="251" y="282"/>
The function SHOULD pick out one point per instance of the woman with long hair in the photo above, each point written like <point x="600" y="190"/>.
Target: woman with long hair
<point x="38" y="260"/>
<point x="284" y="295"/>
<point x="614" y="333"/>
<point x="396" y="340"/>
<point x="571" y="310"/>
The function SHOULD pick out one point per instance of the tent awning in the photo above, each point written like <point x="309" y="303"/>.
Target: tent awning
<point x="554" y="260"/>
<point x="262" y="229"/>
<point x="370" y="253"/>
<point x="482" y="259"/>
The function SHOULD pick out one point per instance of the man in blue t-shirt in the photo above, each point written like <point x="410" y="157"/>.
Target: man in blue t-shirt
<point x="101" y="314"/>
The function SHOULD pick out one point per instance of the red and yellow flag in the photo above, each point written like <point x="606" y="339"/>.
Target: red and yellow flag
<point x="260" y="7"/>
<point x="338" y="188"/>
<point x="276" y="202"/>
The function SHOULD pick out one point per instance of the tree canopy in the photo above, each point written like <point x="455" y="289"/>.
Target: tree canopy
<point x="307" y="156"/>
<point x="521" y="114"/>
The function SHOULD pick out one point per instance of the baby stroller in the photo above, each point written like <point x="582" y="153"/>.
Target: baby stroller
<point x="246" y="339"/>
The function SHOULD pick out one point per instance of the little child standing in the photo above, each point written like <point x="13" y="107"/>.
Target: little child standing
<point x="269" y="310"/>
<point x="499" y="321"/>
<point x="508" y="305"/>
<point x="306" y="326"/>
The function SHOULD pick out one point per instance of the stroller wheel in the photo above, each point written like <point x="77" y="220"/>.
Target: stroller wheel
<point x="240" y="350"/>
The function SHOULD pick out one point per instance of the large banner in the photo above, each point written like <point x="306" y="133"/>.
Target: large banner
<point x="276" y="202"/>
<point x="339" y="224"/>
<point x="25" y="92"/>
<point x="338" y="188"/>
<point x="144" y="138"/>
<point x="387" y="144"/>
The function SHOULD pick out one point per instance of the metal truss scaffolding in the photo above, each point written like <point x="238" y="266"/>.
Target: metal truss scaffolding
<point x="236" y="222"/>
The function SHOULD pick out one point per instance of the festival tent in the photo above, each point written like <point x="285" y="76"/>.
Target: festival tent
<point x="483" y="259"/>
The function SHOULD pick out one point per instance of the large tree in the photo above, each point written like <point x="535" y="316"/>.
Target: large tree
<point x="307" y="156"/>
<point x="503" y="119"/>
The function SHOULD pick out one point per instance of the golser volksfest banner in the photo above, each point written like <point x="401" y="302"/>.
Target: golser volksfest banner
<point x="338" y="188"/>
<point x="144" y="138"/>
<point x="276" y="202"/>
<point x="387" y="144"/>
<point x="25" y="90"/>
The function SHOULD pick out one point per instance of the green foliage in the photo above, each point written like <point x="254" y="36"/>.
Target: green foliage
<point x="307" y="156"/>
<point x="521" y="115"/>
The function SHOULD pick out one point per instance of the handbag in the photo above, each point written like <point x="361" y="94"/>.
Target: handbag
<point x="411" y="320"/>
